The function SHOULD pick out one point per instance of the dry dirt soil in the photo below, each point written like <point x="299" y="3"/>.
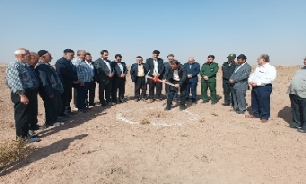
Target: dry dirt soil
<point x="204" y="144"/>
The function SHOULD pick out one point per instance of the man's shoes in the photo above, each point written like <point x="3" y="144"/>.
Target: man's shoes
<point x="62" y="119"/>
<point x="264" y="120"/>
<point x="182" y="108"/>
<point x="301" y="130"/>
<point x="150" y="100"/>
<point x="205" y="101"/>
<point x="294" y="126"/>
<point x="167" y="109"/>
<point x="56" y="124"/>
<point x="240" y="112"/>
<point x="111" y="103"/>
<point x="137" y="99"/>
<point x="32" y="134"/>
<point x="34" y="139"/>
<point x="226" y="104"/>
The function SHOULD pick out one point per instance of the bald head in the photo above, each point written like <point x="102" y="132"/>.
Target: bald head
<point x="191" y="60"/>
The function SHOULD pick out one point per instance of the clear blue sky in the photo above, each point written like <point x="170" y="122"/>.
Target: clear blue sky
<point x="137" y="27"/>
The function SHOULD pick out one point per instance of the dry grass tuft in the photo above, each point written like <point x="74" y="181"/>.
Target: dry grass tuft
<point x="12" y="151"/>
<point x="214" y="114"/>
<point x="144" y="121"/>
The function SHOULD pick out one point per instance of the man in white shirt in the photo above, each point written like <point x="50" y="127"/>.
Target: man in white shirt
<point x="261" y="81"/>
<point x="156" y="68"/>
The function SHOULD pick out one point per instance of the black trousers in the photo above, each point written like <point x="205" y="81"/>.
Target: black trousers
<point x="66" y="99"/>
<point x="22" y="113"/>
<point x="105" y="89"/>
<point x="228" y="92"/>
<point x="91" y="93"/>
<point x="173" y="90"/>
<point x="298" y="106"/>
<point x="155" y="85"/>
<point x="53" y="108"/>
<point x="140" y="83"/>
<point x="118" y="85"/>
<point x="33" y="105"/>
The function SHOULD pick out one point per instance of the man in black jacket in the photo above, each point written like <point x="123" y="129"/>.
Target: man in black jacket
<point x="120" y="72"/>
<point x="105" y="74"/>
<point x="177" y="75"/>
<point x="155" y="66"/>
<point x="50" y="89"/>
<point x="228" y="69"/>
<point x="67" y="75"/>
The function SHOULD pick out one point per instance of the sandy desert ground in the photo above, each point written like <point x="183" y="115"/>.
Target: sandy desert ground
<point x="204" y="144"/>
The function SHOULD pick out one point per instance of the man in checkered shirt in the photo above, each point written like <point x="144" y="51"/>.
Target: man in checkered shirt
<point x="84" y="73"/>
<point x="19" y="81"/>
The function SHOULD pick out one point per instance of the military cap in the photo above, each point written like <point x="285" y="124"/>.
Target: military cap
<point x="231" y="56"/>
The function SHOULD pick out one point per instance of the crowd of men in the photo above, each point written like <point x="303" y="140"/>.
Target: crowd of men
<point x="31" y="74"/>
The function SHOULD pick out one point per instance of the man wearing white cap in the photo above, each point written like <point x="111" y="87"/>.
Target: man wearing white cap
<point x="19" y="81"/>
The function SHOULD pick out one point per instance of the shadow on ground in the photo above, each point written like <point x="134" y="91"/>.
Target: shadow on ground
<point x="41" y="153"/>
<point x="285" y="114"/>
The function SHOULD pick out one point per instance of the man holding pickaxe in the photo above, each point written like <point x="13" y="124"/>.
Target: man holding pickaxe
<point x="176" y="78"/>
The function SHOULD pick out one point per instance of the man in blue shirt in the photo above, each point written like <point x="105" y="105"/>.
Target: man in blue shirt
<point x="90" y="96"/>
<point x="18" y="79"/>
<point x="193" y="69"/>
<point x="84" y="73"/>
<point x="33" y="103"/>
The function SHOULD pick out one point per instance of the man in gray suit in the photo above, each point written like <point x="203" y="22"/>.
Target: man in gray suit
<point x="239" y="80"/>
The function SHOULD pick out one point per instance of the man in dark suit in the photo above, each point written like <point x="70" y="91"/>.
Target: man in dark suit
<point x="138" y="72"/>
<point x="120" y="71"/>
<point x="90" y="96"/>
<point x="177" y="75"/>
<point x="239" y="81"/>
<point x="155" y="66"/>
<point x="68" y="76"/>
<point x="227" y="70"/>
<point x="193" y="69"/>
<point x="105" y="74"/>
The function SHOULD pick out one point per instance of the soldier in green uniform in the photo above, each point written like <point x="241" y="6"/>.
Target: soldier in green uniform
<point x="208" y="79"/>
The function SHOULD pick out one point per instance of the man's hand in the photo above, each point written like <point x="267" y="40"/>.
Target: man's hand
<point x="253" y="84"/>
<point x="122" y="75"/>
<point x="231" y="81"/>
<point x="82" y="83"/>
<point x="51" y="96"/>
<point x="24" y="99"/>
<point x="205" y="78"/>
<point x="75" y="82"/>
<point x="189" y="76"/>
<point x="176" y="85"/>
<point x="111" y="75"/>
<point x="155" y="75"/>
<point x="163" y="81"/>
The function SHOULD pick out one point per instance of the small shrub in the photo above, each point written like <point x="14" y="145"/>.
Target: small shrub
<point x="14" y="150"/>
